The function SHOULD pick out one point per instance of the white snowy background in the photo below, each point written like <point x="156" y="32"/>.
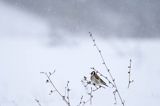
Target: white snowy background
<point x="28" y="48"/>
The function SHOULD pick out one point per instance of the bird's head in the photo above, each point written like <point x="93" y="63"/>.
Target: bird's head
<point x="93" y="73"/>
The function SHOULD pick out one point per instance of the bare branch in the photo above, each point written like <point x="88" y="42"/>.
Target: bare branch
<point x="68" y="90"/>
<point x="80" y="101"/>
<point x="108" y="70"/>
<point x="91" y="96"/>
<point x="37" y="101"/>
<point x="86" y="84"/>
<point x="54" y="87"/>
<point x="129" y="73"/>
<point x="115" y="98"/>
<point x="89" y="85"/>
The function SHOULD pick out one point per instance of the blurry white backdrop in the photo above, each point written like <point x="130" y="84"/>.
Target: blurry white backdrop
<point x="29" y="44"/>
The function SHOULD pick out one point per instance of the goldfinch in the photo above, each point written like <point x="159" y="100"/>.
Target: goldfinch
<point x="96" y="80"/>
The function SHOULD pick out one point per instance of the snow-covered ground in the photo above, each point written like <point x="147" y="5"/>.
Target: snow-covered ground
<point x="25" y="52"/>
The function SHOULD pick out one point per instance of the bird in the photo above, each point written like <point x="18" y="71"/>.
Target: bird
<point x="96" y="80"/>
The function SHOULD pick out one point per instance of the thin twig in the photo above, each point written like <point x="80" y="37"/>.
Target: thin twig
<point x="85" y="83"/>
<point x="68" y="90"/>
<point x="115" y="99"/>
<point x="51" y="91"/>
<point x="80" y="101"/>
<point x="129" y="73"/>
<point x="91" y="96"/>
<point x="108" y="70"/>
<point x="37" y="101"/>
<point x="50" y="81"/>
<point x="83" y="102"/>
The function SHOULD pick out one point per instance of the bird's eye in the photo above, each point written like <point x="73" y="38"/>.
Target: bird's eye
<point x="92" y="72"/>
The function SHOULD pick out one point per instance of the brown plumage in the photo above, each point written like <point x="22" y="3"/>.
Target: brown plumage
<point x="96" y="80"/>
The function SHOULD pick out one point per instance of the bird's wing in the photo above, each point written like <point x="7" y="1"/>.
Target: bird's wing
<point x="104" y="83"/>
<point x="97" y="77"/>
